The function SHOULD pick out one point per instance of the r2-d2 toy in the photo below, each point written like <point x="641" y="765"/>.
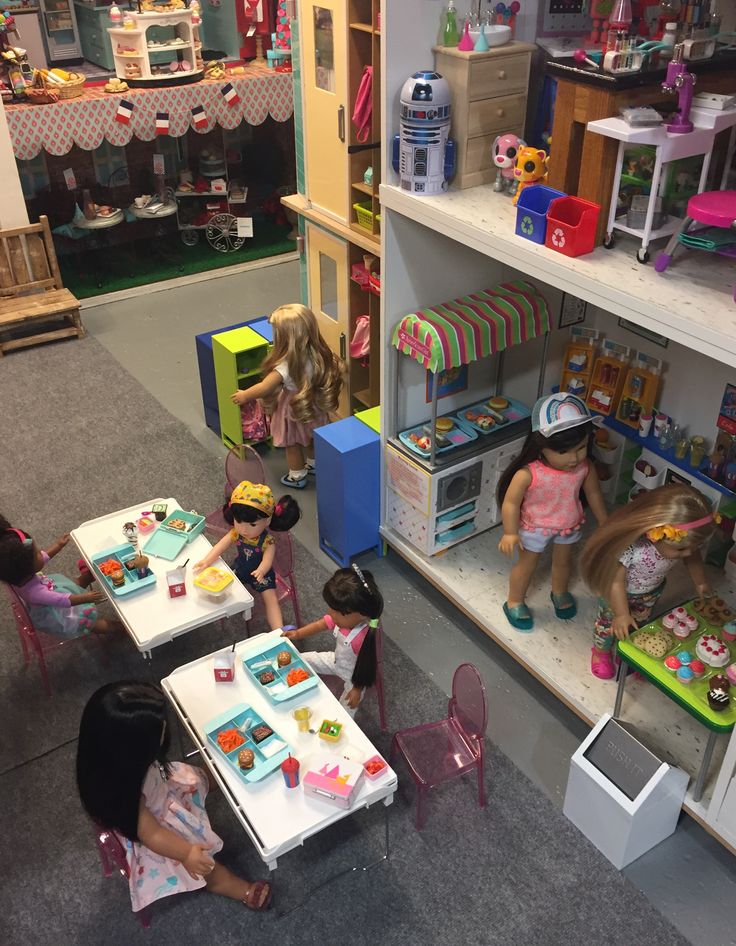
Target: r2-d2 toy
<point x="423" y="152"/>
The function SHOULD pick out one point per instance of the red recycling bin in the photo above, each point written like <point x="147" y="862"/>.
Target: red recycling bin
<point x="571" y="225"/>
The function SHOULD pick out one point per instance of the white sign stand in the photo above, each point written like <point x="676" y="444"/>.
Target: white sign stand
<point x="622" y="828"/>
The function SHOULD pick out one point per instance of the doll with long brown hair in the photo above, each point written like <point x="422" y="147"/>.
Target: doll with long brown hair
<point x="302" y="380"/>
<point x="539" y="496"/>
<point x="626" y="560"/>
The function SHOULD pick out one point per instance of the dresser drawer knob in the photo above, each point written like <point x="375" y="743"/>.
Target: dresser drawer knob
<point x="501" y="73"/>
<point x="500" y="112"/>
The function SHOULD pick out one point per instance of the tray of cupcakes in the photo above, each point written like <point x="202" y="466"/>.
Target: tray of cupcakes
<point x="492" y="414"/>
<point x="280" y="671"/>
<point x="123" y="569"/>
<point x="694" y="646"/>
<point x="247" y="742"/>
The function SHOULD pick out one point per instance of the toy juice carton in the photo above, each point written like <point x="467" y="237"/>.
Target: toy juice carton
<point x="176" y="580"/>
<point x="225" y="667"/>
<point x="333" y="779"/>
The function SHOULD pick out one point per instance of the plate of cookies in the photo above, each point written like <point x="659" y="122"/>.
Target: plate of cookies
<point x="247" y="742"/>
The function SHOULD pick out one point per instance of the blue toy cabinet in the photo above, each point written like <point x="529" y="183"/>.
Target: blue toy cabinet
<point x="348" y="455"/>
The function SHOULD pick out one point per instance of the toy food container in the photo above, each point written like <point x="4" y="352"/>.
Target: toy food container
<point x="333" y="780"/>
<point x="279" y="682"/>
<point x="146" y="524"/>
<point x="159" y="511"/>
<point x="239" y="729"/>
<point x="111" y="566"/>
<point x="213" y="581"/>
<point x="225" y="667"/>
<point x="330" y="730"/>
<point x="176" y="580"/>
<point x="176" y="531"/>
<point x="375" y="767"/>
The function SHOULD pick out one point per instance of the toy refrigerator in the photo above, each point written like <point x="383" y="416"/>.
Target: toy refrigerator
<point x="60" y="32"/>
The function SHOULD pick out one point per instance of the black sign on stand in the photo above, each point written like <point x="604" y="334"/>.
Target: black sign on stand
<point x="624" y="761"/>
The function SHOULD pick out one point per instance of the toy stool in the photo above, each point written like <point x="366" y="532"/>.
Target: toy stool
<point x="715" y="209"/>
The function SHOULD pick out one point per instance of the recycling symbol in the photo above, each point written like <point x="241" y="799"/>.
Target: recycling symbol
<point x="558" y="237"/>
<point x="527" y="226"/>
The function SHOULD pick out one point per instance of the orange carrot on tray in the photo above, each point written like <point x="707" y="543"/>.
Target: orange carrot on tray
<point x="296" y="676"/>
<point x="229" y="739"/>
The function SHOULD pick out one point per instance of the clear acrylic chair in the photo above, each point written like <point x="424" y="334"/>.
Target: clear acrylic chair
<point x="440" y="751"/>
<point x="336" y="685"/>
<point x="283" y="565"/>
<point x="36" y="643"/>
<point x="112" y="854"/>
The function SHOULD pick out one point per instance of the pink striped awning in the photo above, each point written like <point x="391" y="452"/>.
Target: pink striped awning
<point x="471" y="327"/>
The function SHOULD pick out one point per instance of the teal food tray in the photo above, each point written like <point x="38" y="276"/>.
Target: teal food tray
<point x="269" y="752"/>
<point x="278" y="691"/>
<point x="167" y="541"/>
<point x="132" y="582"/>
<point x="515" y="411"/>
<point x="457" y="436"/>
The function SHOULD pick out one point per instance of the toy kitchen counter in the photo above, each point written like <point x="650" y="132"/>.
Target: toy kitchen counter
<point x="582" y="163"/>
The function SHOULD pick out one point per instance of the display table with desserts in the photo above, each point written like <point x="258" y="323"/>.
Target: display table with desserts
<point x="688" y="653"/>
<point x="156" y="611"/>
<point x="275" y="817"/>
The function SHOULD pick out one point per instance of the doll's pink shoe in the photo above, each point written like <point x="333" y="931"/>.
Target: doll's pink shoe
<point x="601" y="664"/>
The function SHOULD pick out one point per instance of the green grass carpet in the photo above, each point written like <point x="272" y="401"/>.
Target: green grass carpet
<point x="148" y="261"/>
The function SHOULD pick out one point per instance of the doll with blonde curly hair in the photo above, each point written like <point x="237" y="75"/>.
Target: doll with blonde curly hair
<point x="302" y="381"/>
<point x="626" y="560"/>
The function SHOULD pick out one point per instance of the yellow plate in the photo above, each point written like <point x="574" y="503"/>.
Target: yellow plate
<point x="213" y="580"/>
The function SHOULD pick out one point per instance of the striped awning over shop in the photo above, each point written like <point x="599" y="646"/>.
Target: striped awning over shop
<point x="473" y="326"/>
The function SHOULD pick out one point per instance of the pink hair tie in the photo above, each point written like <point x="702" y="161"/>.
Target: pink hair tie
<point x="278" y="509"/>
<point x="25" y="540"/>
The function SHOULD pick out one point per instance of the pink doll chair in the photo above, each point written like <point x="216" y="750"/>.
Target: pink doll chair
<point x="241" y="463"/>
<point x="715" y="209"/>
<point x="336" y="685"/>
<point x="438" y="752"/>
<point x="283" y="565"/>
<point x="37" y="643"/>
<point x="112" y="854"/>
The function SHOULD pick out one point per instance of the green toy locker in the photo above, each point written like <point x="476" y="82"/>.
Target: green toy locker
<point x="237" y="355"/>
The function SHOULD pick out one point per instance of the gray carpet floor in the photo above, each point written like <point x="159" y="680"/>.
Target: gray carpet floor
<point x="80" y="438"/>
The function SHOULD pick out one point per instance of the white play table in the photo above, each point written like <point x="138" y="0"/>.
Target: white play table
<point x="151" y="617"/>
<point x="276" y="818"/>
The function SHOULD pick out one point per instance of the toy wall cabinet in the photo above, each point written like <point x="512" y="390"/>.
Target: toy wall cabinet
<point x="338" y="301"/>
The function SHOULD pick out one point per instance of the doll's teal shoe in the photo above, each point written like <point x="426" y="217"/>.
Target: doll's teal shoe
<point x="564" y="605"/>
<point x="519" y="617"/>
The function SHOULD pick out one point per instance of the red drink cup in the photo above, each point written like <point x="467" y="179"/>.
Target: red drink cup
<point x="290" y="770"/>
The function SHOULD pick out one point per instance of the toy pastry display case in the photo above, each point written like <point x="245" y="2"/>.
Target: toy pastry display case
<point x="689" y="653"/>
<point x="442" y="471"/>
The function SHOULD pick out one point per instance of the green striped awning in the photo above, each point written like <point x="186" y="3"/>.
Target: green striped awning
<point x="465" y="329"/>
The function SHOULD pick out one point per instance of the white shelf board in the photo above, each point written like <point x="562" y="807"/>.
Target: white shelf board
<point x="473" y="576"/>
<point x="691" y="303"/>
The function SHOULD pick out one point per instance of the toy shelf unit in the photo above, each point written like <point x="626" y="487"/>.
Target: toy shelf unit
<point x="609" y="375"/>
<point x="660" y="184"/>
<point x="577" y="365"/>
<point x="640" y="390"/>
<point x="238" y="355"/>
<point x="213" y="204"/>
<point x="163" y="48"/>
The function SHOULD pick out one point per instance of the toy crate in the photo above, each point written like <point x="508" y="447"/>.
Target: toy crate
<point x="531" y="211"/>
<point x="364" y="214"/>
<point x="571" y="225"/>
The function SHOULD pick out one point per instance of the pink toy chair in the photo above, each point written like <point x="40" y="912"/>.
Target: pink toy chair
<point x="714" y="209"/>
<point x="438" y="752"/>
<point x="37" y="643"/>
<point x="241" y="463"/>
<point x="283" y="565"/>
<point x="112" y="854"/>
<point x="336" y="685"/>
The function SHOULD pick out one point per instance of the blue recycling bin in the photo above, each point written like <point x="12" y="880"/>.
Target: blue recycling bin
<point x="531" y="211"/>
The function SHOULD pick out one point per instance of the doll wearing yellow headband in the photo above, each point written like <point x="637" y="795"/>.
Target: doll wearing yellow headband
<point x="254" y="515"/>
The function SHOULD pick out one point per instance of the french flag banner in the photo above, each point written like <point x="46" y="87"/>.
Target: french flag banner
<point x="229" y="94"/>
<point x="199" y="117"/>
<point x="162" y="123"/>
<point x="125" y="110"/>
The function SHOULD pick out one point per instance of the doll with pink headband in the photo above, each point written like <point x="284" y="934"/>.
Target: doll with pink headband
<point x="627" y="559"/>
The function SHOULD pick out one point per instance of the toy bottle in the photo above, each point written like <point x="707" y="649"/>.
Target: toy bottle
<point x="451" y="36"/>
<point x="620" y="18"/>
<point x="88" y="207"/>
<point x="290" y="771"/>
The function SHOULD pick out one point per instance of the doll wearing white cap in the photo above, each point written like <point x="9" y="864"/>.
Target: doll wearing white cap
<point x="539" y="496"/>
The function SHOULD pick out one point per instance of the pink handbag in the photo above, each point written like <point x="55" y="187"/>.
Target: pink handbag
<point x="364" y="106"/>
<point x="255" y="422"/>
<point x="360" y="343"/>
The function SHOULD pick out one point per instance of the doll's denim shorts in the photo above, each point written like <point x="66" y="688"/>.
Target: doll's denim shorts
<point x="536" y="540"/>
